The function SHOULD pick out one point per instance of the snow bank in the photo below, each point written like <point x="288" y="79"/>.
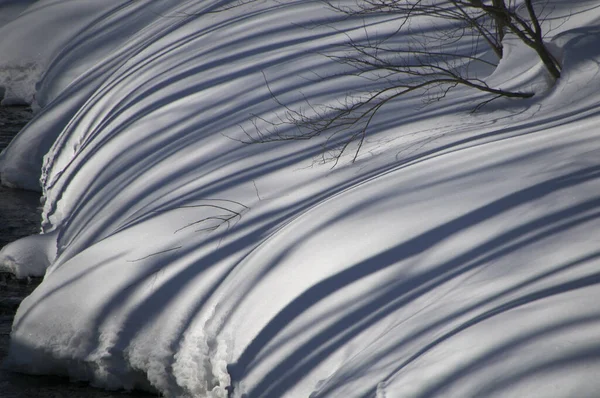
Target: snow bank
<point x="33" y="37"/>
<point x="30" y="256"/>
<point x="455" y="258"/>
<point x="67" y="60"/>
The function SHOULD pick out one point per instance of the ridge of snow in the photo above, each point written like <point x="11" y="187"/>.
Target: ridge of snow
<point x="455" y="258"/>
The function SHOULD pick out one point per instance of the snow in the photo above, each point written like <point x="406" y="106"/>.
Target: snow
<point x="457" y="257"/>
<point x="29" y="256"/>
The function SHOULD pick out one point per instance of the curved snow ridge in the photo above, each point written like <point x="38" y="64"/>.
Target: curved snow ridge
<point x="29" y="256"/>
<point x="43" y="27"/>
<point x="84" y="56"/>
<point x="119" y="125"/>
<point x="179" y="261"/>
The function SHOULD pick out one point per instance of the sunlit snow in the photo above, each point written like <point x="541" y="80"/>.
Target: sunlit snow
<point x="457" y="257"/>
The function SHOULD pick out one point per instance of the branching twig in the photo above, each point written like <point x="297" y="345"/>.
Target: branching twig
<point x="430" y="63"/>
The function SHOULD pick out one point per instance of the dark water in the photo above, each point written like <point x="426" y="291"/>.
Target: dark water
<point x="19" y="217"/>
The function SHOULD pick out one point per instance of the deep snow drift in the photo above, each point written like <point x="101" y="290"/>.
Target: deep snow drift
<point x="457" y="257"/>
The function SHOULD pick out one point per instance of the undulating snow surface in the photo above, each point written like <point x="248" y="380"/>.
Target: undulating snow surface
<point x="457" y="257"/>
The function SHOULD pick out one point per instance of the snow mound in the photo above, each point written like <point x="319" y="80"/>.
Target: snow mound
<point x="457" y="257"/>
<point x="29" y="256"/>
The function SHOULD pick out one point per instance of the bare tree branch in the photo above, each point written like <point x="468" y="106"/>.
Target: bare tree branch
<point x="405" y="61"/>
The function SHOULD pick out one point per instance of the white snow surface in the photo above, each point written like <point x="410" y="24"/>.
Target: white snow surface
<point x="457" y="257"/>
